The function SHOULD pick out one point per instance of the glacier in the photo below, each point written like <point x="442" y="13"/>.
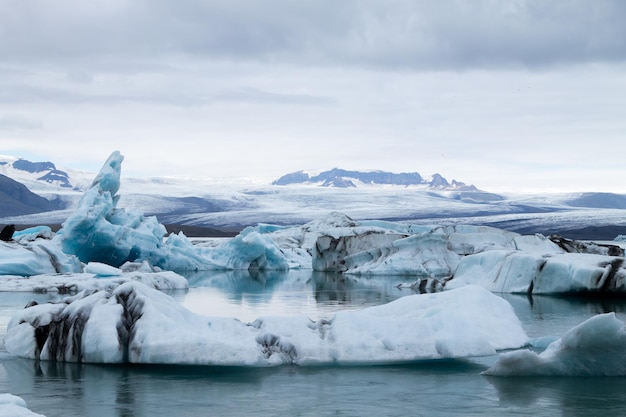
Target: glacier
<point x="596" y="347"/>
<point x="134" y="323"/>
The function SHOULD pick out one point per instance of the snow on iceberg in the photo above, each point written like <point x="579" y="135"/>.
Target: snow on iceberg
<point x="136" y="324"/>
<point x="596" y="347"/>
<point x="14" y="406"/>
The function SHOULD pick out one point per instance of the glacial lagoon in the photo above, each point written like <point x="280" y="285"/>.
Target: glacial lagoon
<point x="428" y="388"/>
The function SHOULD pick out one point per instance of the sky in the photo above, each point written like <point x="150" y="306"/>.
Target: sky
<point x="518" y="95"/>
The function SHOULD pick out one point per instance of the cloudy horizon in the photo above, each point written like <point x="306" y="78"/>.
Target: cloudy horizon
<point x="515" y="95"/>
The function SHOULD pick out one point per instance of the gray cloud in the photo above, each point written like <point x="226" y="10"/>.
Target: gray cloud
<point x="18" y="122"/>
<point x="395" y="34"/>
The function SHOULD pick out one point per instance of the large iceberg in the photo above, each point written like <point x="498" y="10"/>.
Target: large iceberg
<point x="596" y="347"/>
<point x="99" y="231"/>
<point x="136" y="324"/>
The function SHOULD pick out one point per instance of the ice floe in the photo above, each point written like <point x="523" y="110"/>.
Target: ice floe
<point x="137" y="324"/>
<point x="596" y="347"/>
<point x="96" y="276"/>
<point x="14" y="406"/>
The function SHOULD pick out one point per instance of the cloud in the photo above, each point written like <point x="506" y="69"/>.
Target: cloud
<point x="18" y="122"/>
<point x="390" y="35"/>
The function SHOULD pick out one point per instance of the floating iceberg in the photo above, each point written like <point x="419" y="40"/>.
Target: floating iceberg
<point x="33" y="257"/>
<point x="537" y="273"/>
<point x="136" y="324"/>
<point x="14" y="406"/>
<point x="99" y="231"/>
<point x="596" y="347"/>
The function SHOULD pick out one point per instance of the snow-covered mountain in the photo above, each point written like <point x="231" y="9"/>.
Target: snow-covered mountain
<point x="342" y="178"/>
<point x="44" y="177"/>
<point x="231" y="205"/>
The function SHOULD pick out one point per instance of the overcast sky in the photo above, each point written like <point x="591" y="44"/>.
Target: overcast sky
<point x="517" y="95"/>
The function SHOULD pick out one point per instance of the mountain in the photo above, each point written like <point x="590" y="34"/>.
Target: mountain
<point x="341" y="178"/>
<point x="599" y="200"/>
<point x="37" y="176"/>
<point x="16" y="199"/>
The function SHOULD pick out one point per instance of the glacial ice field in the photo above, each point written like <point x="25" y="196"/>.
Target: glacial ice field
<point x="111" y="287"/>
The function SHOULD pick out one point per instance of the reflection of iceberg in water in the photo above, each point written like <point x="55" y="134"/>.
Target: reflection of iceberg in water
<point x="306" y="291"/>
<point x="339" y="289"/>
<point x="571" y="396"/>
<point x="238" y="285"/>
<point x="544" y="315"/>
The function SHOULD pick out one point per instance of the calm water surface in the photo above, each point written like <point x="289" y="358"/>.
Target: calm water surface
<point x="432" y="388"/>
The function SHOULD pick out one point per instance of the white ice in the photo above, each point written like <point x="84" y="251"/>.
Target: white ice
<point x="596" y="347"/>
<point x="540" y="272"/>
<point x="134" y="323"/>
<point x="96" y="276"/>
<point x="14" y="406"/>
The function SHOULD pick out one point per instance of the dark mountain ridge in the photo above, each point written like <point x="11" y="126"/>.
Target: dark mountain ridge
<point x="17" y="200"/>
<point x="342" y="178"/>
<point x="50" y="173"/>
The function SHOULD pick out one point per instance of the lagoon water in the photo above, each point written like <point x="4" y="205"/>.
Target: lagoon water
<point x="431" y="388"/>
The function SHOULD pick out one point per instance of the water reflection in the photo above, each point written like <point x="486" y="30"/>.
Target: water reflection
<point x="248" y="295"/>
<point x="584" y="396"/>
<point x="88" y="390"/>
<point x="543" y="315"/>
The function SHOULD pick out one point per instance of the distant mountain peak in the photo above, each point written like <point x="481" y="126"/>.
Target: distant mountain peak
<point x="49" y="173"/>
<point x="342" y="178"/>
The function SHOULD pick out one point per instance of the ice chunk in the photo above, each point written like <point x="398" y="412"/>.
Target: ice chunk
<point x="134" y="323"/>
<point x="532" y="272"/>
<point x="596" y="347"/>
<point x="40" y="256"/>
<point x="102" y="270"/>
<point x="32" y="233"/>
<point x="14" y="406"/>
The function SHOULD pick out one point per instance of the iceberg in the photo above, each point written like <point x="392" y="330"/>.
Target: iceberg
<point x="26" y="257"/>
<point x="14" y="406"/>
<point x="99" y="231"/>
<point x="539" y="273"/>
<point x="96" y="276"/>
<point x="133" y="323"/>
<point x="596" y="347"/>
